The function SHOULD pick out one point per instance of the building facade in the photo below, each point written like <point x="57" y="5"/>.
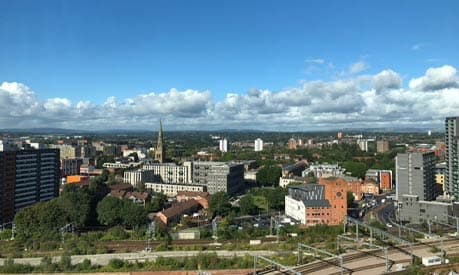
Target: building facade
<point x="314" y="204"/>
<point x="415" y="211"/>
<point x="382" y="146"/>
<point x="70" y="166"/>
<point x="382" y="177"/>
<point x="27" y="177"/>
<point x="415" y="175"/>
<point x="324" y="170"/>
<point x="452" y="156"/>
<point x="171" y="173"/>
<point x="223" y="145"/>
<point x="218" y="176"/>
<point x="137" y="177"/>
<point x="171" y="190"/>
<point x="258" y="145"/>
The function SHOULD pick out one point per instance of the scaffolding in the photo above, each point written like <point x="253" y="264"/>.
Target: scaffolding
<point x="284" y="268"/>
<point x="315" y="251"/>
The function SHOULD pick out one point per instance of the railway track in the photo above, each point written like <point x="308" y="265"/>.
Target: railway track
<point x="314" y="267"/>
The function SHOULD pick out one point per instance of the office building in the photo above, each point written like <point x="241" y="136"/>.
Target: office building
<point x="382" y="146"/>
<point x="258" y="145"/>
<point x="27" y="177"/>
<point x="452" y="156"/>
<point x="218" y="176"/>
<point x="415" y="175"/>
<point x="223" y="145"/>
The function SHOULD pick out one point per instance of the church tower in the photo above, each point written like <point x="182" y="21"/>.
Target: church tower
<point x="160" y="152"/>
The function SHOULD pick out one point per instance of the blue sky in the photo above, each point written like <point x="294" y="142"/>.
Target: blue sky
<point x="94" y="50"/>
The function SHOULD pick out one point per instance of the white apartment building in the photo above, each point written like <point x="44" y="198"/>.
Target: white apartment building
<point x="171" y="173"/>
<point x="171" y="190"/>
<point x="138" y="176"/>
<point x="223" y="145"/>
<point x="258" y="145"/>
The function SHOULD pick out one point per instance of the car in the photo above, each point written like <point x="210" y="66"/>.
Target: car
<point x="389" y="225"/>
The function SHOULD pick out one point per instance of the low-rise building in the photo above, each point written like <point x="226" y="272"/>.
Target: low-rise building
<point x="201" y="197"/>
<point x="324" y="170"/>
<point x="382" y="177"/>
<point x="174" y="213"/>
<point x="77" y="179"/>
<point x="171" y="190"/>
<point x="292" y="170"/>
<point x="314" y="204"/>
<point x="414" y="211"/>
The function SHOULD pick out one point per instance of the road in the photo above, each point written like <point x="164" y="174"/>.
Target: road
<point x="104" y="259"/>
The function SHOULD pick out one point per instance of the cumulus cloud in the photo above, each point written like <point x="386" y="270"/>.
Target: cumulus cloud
<point x="436" y="79"/>
<point x="386" y="80"/>
<point x="365" y="101"/>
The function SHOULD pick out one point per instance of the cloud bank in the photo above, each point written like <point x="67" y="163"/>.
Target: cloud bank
<point x="378" y="100"/>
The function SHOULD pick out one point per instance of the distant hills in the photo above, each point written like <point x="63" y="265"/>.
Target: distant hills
<point x="62" y="131"/>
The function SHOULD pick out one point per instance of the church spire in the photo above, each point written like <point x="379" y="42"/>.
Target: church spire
<point x="160" y="152"/>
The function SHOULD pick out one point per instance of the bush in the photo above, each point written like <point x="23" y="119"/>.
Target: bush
<point x="116" y="264"/>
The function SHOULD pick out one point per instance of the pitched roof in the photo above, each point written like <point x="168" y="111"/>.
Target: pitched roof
<point x="180" y="208"/>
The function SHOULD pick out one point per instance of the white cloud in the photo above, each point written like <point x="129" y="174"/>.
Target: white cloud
<point x="363" y="101"/>
<point x="358" y="67"/>
<point x="385" y="80"/>
<point x="436" y="79"/>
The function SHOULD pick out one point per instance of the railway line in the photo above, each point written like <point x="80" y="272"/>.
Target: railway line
<point x="323" y="264"/>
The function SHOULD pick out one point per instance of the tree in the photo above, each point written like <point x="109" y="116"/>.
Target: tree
<point x="269" y="175"/>
<point x="157" y="203"/>
<point x="219" y="204"/>
<point x="109" y="211"/>
<point x="247" y="206"/>
<point x="133" y="215"/>
<point x="76" y="202"/>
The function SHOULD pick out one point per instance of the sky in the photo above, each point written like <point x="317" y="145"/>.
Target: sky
<point x="262" y="65"/>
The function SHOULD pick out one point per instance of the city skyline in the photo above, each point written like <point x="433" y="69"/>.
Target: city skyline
<point x="208" y="66"/>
